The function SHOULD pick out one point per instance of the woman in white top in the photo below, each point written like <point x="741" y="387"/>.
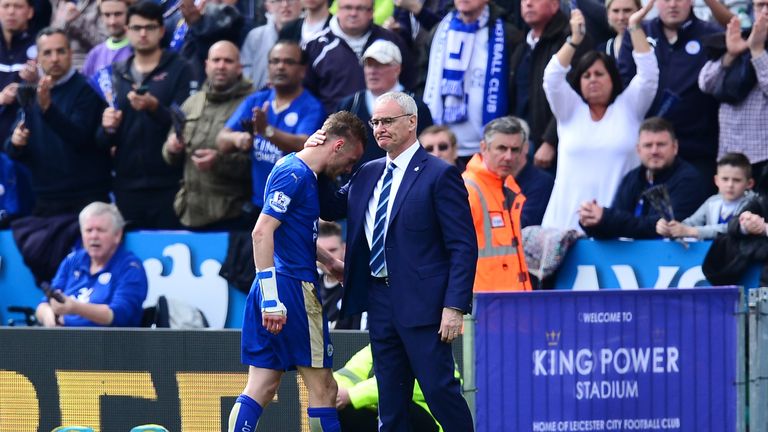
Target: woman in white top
<point x="597" y="123"/>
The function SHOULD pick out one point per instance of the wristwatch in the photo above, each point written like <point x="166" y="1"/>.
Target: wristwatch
<point x="269" y="132"/>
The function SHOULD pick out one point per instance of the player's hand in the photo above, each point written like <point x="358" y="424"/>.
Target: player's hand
<point x="273" y="322"/>
<point x="450" y="325"/>
<point x="342" y="398"/>
<point x="316" y="139"/>
<point x="337" y="270"/>
<point x="274" y="314"/>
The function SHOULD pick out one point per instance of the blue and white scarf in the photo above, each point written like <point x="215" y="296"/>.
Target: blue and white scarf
<point x="455" y="42"/>
<point x="101" y="81"/>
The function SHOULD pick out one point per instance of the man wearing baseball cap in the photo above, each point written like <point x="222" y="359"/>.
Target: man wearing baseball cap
<point x="335" y="52"/>
<point x="382" y="63"/>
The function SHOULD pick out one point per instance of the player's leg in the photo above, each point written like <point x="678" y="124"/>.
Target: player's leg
<point x="265" y="367"/>
<point x="322" y="399"/>
<point x="259" y="391"/>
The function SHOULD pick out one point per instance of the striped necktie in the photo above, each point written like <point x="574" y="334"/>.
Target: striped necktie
<point x="378" y="260"/>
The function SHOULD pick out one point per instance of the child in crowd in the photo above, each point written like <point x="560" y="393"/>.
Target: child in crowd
<point x="733" y="181"/>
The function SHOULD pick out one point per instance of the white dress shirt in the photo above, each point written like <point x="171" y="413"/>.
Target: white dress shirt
<point x="401" y="164"/>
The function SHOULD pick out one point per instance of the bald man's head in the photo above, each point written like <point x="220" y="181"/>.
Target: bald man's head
<point x="222" y="67"/>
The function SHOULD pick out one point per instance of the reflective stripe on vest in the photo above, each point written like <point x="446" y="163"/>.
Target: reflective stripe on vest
<point x="348" y="374"/>
<point x="489" y="250"/>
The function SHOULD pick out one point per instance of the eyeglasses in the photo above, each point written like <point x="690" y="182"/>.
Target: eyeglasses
<point x="385" y="121"/>
<point x="440" y="147"/>
<point x="149" y="28"/>
<point x="274" y="2"/>
<point x="361" y="9"/>
<point x="287" y="62"/>
<point x="759" y="6"/>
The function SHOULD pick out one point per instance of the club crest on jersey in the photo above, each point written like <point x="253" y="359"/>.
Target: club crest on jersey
<point x="279" y="202"/>
<point x="291" y="119"/>
<point x="104" y="278"/>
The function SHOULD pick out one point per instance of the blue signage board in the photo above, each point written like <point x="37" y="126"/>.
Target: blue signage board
<point x="631" y="264"/>
<point x="611" y="360"/>
<point x="180" y="265"/>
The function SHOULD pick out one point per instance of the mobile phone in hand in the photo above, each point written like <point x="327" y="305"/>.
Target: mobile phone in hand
<point x="51" y="292"/>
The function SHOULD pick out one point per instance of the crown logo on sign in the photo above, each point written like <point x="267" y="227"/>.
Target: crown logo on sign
<point x="553" y="338"/>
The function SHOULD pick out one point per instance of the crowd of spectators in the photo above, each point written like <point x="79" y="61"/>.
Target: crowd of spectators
<point x="177" y="111"/>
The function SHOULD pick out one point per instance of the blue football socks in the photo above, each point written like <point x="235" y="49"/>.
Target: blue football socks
<point x="323" y="419"/>
<point x="245" y="415"/>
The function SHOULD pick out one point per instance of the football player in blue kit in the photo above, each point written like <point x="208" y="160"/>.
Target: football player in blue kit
<point x="284" y="327"/>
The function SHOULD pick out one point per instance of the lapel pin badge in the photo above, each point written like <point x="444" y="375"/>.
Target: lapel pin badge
<point x="416" y="169"/>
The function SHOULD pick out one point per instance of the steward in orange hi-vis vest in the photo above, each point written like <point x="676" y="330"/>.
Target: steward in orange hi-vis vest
<point x="496" y="210"/>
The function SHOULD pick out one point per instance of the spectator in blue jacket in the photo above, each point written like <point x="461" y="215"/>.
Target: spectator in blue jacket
<point x="136" y="123"/>
<point x="631" y="215"/>
<point x="102" y="284"/>
<point x="678" y="40"/>
<point x="54" y="136"/>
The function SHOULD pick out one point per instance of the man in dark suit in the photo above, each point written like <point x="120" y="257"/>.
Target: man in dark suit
<point x="410" y="261"/>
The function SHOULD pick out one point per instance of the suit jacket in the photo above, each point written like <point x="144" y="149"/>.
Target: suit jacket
<point x="431" y="248"/>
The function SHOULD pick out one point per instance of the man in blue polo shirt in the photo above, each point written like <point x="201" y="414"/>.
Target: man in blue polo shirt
<point x="284" y="327"/>
<point x="102" y="284"/>
<point x="276" y="121"/>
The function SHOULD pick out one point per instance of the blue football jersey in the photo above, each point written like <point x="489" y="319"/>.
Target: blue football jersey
<point x="291" y="197"/>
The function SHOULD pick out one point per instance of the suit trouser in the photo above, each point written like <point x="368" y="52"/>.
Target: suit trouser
<point x="367" y="420"/>
<point x="401" y="354"/>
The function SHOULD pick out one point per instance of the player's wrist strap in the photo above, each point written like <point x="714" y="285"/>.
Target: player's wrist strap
<point x="270" y="302"/>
